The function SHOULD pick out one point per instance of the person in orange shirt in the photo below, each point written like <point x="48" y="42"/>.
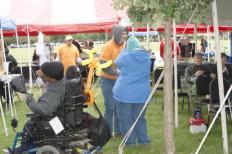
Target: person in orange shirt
<point x="109" y="75"/>
<point x="68" y="54"/>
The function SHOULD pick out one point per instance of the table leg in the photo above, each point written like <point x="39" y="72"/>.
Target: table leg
<point x="3" y="119"/>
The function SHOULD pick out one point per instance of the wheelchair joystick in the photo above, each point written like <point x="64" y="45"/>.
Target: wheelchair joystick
<point x="14" y="124"/>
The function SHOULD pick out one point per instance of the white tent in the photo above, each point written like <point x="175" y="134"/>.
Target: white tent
<point x="53" y="17"/>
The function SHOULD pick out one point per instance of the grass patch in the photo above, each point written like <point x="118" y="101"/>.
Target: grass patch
<point x="185" y="142"/>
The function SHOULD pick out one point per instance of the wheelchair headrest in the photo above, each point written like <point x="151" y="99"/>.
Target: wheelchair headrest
<point x="73" y="87"/>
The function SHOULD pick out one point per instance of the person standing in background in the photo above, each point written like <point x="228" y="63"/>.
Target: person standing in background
<point x="204" y="45"/>
<point x="11" y="59"/>
<point x="43" y="50"/>
<point x="109" y="75"/>
<point x="68" y="53"/>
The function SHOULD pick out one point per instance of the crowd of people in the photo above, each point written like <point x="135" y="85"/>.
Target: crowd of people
<point x="125" y="84"/>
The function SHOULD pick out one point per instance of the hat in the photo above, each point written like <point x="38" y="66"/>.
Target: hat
<point x="117" y="31"/>
<point x="53" y="70"/>
<point x="69" y="37"/>
<point x="224" y="55"/>
<point x="133" y="43"/>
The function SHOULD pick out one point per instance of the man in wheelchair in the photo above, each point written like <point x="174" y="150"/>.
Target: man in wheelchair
<point x="65" y="100"/>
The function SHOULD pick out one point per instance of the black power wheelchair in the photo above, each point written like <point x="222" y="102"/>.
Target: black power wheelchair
<point x="82" y="132"/>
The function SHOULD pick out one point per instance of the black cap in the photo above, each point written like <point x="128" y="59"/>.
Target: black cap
<point x="224" y="55"/>
<point x="53" y="70"/>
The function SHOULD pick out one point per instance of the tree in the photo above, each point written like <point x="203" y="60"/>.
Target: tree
<point x="147" y="11"/>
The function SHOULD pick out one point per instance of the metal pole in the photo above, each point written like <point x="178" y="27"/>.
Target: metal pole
<point x="29" y="61"/>
<point x="10" y="101"/>
<point x="148" y="35"/>
<point x="231" y="47"/>
<point x="195" y="36"/>
<point x="133" y="31"/>
<point x="220" y="77"/>
<point x="175" y="74"/>
<point x="17" y="37"/>
<point x="106" y="36"/>
<point x="3" y="48"/>
<point x="214" y="119"/>
<point x="3" y="119"/>
<point x="208" y="32"/>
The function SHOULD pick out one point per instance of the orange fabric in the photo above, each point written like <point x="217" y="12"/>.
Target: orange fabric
<point x="110" y="52"/>
<point x="68" y="55"/>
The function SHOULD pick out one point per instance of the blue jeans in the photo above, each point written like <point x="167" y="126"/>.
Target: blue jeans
<point x="128" y="113"/>
<point x="109" y="102"/>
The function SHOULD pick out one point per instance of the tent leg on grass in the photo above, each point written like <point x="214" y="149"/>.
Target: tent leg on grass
<point x="29" y="61"/>
<point x="220" y="77"/>
<point x="175" y="63"/>
<point x="231" y="47"/>
<point x="3" y="120"/>
<point x="175" y="74"/>
<point x="11" y="102"/>
<point x="222" y="106"/>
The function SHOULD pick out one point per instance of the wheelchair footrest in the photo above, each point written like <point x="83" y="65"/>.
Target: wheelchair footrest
<point x="81" y="143"/>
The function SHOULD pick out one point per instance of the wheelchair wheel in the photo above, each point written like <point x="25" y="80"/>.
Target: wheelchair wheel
<point x="49" y="149"/>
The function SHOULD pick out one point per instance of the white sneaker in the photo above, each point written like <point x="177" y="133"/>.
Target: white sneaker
<point x="6" y="151"/>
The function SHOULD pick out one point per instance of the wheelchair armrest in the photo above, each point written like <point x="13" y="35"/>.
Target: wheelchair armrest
<point x="34" y="115"/>
<point x="31" y="115"/>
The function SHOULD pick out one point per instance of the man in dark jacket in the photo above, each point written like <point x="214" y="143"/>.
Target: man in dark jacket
<point x="11" y="59"/>
<point x="198" y="68"/>
<point x="52" y="73"/>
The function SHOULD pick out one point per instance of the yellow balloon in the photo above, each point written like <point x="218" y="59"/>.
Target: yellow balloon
<point x="106" y="64"/>
<point x="85" y="62"/>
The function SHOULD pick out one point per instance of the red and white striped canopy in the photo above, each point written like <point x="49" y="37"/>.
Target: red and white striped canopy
<point x="54" y="17"/>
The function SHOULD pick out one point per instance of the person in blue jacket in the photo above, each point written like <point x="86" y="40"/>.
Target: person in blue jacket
<point x="132" y="89"/>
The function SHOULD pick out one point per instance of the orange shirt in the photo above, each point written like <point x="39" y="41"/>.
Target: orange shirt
<point x="110" y="52"/>
<point x="68" y="55"/>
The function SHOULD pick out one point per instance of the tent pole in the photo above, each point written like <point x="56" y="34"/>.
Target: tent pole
<point x="4" y="60"/>
<point x="195" y="36"/>
<point x="17" y="40"/>
<point x="148" y="32"/>
<point x="29" y="61"/>
<point x="208" y="31"/>
<point x="220" y="77"/>
<point x="133" y="31"/>
<point x="106" y="36"/>
<point x="17" y="37"/>
<point x="3" y="48"/>
<point x="230" y="47"/>
<point x="214" y="120"/>
<point x="3" y="119"/>
<point x="175" y="74"/>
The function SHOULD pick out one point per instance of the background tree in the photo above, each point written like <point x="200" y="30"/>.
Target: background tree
<point x="151" y="11"/>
